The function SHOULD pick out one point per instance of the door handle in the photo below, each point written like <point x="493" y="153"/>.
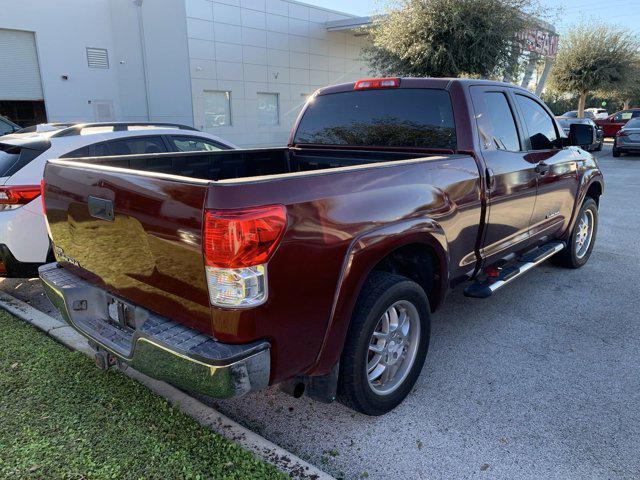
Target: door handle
<point x="542" y="168"/>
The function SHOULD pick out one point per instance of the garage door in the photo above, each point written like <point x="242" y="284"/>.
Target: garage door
<point x="19" y="71"/>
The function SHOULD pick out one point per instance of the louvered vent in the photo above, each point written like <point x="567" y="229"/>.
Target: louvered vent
<point x="97" y="57"/>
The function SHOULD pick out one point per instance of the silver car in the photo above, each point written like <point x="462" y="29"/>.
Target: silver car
<point x="628" y="138"/>
<point x="598" y="138"/>
<point x="574" y="114"/>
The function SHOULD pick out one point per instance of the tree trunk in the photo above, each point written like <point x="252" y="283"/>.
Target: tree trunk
<point x="626" y="105"/>
<point x="581" y="104"/>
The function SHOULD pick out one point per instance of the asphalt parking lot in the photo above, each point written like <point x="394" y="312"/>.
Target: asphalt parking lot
<point x="540" y="381"/>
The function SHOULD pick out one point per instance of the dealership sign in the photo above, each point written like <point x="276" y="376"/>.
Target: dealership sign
<point x="542" y="42"/>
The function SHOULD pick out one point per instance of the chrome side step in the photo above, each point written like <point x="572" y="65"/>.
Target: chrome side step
<point x="485" y="286"/>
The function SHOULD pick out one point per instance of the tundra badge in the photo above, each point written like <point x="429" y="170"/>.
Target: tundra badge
<point x="60" y="255"/>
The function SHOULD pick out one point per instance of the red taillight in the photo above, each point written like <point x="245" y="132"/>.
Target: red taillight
<point x="18" y="194"/>
<point x="44" y="210"/>
<point x="242" y="238"/>
<point x="377" y="83"/>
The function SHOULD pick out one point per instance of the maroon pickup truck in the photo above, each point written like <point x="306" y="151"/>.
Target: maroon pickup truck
<point x="318" y="266"/>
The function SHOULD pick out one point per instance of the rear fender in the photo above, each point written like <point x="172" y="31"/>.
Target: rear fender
<point x="365" y="252"/>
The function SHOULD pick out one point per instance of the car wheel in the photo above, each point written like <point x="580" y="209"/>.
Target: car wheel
<point x="599" y="147"/>
<point x="582" y="239"/>
<point x="616" y="152"/>
<point x="386" y="344"/>
<point x="13" y="268"/>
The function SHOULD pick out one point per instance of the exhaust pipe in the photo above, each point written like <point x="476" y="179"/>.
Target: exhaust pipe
<point x="294" y="387"/>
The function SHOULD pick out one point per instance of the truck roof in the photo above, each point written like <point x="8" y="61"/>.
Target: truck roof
<point x="413" y="82"/>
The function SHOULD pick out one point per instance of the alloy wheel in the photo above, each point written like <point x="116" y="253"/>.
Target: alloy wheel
<point x="393" y="347"/>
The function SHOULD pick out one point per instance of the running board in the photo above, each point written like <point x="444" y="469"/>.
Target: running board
<point x="485" y="287"/>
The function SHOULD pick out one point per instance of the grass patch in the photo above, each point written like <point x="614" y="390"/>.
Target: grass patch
<point x="61" y="417"/>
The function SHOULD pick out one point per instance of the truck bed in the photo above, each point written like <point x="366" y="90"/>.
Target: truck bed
<point x="237" y="164"/>
<point x="150" y="252"/>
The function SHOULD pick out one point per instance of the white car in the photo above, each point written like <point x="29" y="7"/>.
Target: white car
<point x="24" y="243"/>
<point x="598" y="112"/>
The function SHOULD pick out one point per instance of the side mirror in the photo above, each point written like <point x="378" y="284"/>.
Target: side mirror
<point x="580" y="135"/>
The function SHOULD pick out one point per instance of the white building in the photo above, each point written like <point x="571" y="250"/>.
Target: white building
<point x="238" y="68"/>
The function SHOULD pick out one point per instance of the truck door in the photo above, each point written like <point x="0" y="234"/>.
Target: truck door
<point x="511" y="175"/>
<point x="556" y="167"/>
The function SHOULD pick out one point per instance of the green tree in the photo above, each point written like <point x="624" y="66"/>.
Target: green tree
<point x="560" y="103"/>
<point x="600" y="58"/>
<point x="449" y="38"/>
<point x="629" y="96"/>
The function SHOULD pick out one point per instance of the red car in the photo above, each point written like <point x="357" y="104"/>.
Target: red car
<point x="615" y="122"/>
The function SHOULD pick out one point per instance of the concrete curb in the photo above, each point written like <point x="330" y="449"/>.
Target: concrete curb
<point x="203" y="414"/>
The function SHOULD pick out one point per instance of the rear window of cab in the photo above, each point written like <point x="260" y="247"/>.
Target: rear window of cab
<point x="404" y="117"/>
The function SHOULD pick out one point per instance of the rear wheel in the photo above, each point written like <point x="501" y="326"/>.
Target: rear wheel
<point x="386" y="344"/>
<point x="582" y="237"/>
<point x="616" y="152"/>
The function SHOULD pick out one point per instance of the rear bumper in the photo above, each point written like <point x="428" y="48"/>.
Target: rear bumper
<point x="157" y="346"/>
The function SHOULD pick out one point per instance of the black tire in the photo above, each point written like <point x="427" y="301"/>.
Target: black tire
<point x="380" y="291"/>
<point x="568" y="257"/>
<point x="16" y="269"/>
<point x="599" y="147"/>
<point x="616" y="153"/>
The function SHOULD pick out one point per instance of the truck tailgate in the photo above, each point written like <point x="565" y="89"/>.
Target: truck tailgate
<point x="135" y="235"/>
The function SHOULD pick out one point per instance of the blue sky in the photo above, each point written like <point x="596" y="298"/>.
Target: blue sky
<point x="622" y="12"/>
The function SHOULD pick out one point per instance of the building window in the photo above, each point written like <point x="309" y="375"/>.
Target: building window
<point x="268" y="110"/>
<point x="217" y="109"/>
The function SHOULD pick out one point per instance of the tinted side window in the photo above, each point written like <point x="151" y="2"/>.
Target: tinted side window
<point x="13" y="159"/>
<point x="405" y="117"/>
<point x="5" y="128"/>
<point x="79" y="153"/>
<point x="636" y="114"/>
<point x="496" y="124"/>
<point x="542" y="132"/>
<point x="623" y="116"/>
<point x="8" y="159"/>
<point x="101" y="150"/>
<point x="194" y="144"/>
<point x="136" y="146"/>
